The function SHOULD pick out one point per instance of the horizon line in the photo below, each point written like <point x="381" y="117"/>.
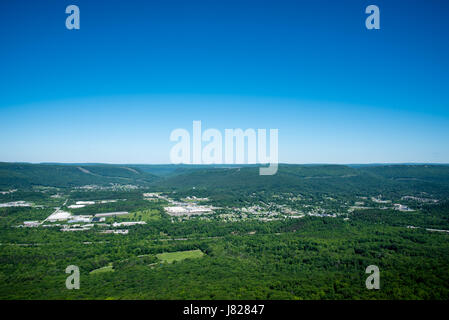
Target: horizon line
<point x="223" y="164"/>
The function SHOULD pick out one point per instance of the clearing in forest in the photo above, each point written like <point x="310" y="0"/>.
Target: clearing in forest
<point x="169" y="257"/>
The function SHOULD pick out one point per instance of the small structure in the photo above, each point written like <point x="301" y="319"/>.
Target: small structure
<point x="77" y="219"/>
<point x="59" y="215"/>
<point x="127" y="223"/>
<point x="111" y="214"/>
<point x="31" y="224"/>
<point x="120" y="231"/>
<point x="15" y="204"/>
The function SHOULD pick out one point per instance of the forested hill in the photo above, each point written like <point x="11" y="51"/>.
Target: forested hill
<point x="331" y="179"/>
<point x="422" y="173"/>
<point x="25" y="175"/>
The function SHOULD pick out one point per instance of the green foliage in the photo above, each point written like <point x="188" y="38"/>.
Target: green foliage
<point x="13" y="216"/>
<point x="108" y="268"/>
<point x="430" y="216"/>
<point x="169" y="257"/>
<point x="313" y="258"/>
<point x="307" y="258"/>
<point x="233" y="186"/>
<point x="25" y="175"/>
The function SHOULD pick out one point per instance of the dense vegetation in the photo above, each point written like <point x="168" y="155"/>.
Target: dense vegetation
<point x="308" y="258"/>
<point x="25" y="175"/>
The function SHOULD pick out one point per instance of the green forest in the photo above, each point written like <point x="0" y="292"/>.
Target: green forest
<point x="315" y="256"/>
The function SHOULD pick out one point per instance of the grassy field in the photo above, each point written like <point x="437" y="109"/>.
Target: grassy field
<point x="141" y="215"/>
<point x="169" y="257"/>
<point x="108" y="268"/>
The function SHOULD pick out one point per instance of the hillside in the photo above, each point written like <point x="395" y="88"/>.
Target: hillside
<point x="26" y="175"/>
<point x="317" y="179"/>
<point x="235" y="181"/>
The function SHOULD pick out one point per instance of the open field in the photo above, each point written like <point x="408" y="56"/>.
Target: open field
<point x="169" y="257"/>
<point x="108" y="268"/>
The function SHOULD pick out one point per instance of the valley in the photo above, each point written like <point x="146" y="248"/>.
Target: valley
<point x="205" y="232"/>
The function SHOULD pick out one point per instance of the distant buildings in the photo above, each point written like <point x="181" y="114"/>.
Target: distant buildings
<point x="378" y="200"/>
<point x="127" y="223"/>
<point x="59" y="215"/>
<point x="15" y="204"/>
<point x="188" y="210"/>
<point x="120" y="231"/>
<point x="110" y="214"/>
<point x="9" y="191"/>
<point x="185" y="208"/>
<point x="401" y="207"/>
<point x="31" y="224"/>
<point x="78" y="219"/>
<point x="76" y="206"/>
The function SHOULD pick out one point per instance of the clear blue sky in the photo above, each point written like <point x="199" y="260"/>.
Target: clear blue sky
<point x="115" y="89"/>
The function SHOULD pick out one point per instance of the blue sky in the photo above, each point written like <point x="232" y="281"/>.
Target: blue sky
<point x="136" y="70"/>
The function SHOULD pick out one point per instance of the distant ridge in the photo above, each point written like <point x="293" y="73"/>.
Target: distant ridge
<point x="244" y="179"/>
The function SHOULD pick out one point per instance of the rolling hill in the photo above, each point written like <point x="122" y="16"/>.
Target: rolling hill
<point x="56" y="175"/>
